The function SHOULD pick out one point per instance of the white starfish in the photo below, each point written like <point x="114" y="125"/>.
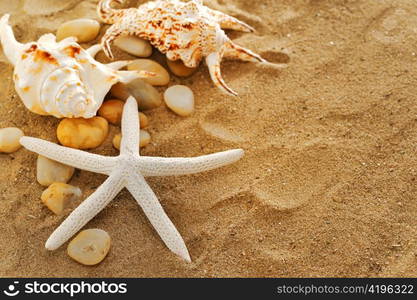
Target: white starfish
<point x="126" y="170"/>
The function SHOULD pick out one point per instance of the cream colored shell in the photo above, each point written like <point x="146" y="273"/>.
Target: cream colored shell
<point x="60" y="78"/>
<point x="187" y="31"/>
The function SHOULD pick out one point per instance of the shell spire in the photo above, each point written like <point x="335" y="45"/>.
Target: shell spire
<point x="11" y="47"/>
<point x="106" y="12"/>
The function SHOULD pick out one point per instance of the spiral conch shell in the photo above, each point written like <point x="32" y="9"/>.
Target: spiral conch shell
<point x="60" y="78"/>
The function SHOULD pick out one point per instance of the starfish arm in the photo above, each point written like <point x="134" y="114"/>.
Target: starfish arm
<point x="130" y="128"/>
<point x="161" y="166"/>
<point x="146" y="198"/>
<point x="87" y="210"/>
<point x="72" y="157"/>
<point x="229" y="22"/>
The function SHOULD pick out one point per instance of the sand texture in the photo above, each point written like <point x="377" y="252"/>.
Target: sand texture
<point x="328" y="183"/>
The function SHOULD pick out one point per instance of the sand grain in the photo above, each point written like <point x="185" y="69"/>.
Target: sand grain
<point x="328" y="183"/>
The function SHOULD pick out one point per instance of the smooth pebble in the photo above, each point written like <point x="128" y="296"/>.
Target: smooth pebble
<point x="162" y="75"/>
<point x="10" y="139"/>
<point x="145" y="94"/>
<point x="134" y="45"/>
<point x="58" y="195"/>
<point x="89" y="247"/>
<point x="143" y="119"/>
<point x="112" y="111"/>
<point x="85" y="30"/>
<point x="49" y="171"/>
<point x="180" y="99"/>
<point x="119" y="91"/>
<point x="145" y="139"/>
<point x="178" y="68"/>
<point x="82" y="133"/>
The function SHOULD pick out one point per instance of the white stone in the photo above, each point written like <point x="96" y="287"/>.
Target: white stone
<point x="89" y="247"/>
<point x="85" y="30"/>
<point x="134" y="45"/>
<point x="49" y="171"/>
<point x="9" y="139"/>
<point x="59" y="195"/>
<point x="180" y="99"/>
<point x="161" y="74"/>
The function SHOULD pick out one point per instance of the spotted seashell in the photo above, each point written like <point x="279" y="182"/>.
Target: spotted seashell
<point x="63" y="93"/>
<point x="186" y="31"/>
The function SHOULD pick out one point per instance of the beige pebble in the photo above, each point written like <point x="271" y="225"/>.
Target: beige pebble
<point x="112" y="111"/>
<point x="143" y="119"/>
<point x="58" y="195"/>
<point x="145" y="94"/>
<point x="162" y="75"/>
<point x="85" y="30"/>
<point x="10" y="139"/>
<point x="178" y="68"/>
<point x="134" y="45"/>
<point x="145" y="139"/>
<point x="119" y="91"/>
<point x="49" y="171"/>
<point x="82" y="133"/>
<point x="180" y="99"/>
<point x="116" y="141"/>
<point x="89" y="247"/>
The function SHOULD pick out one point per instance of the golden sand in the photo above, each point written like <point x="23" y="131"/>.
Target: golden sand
<point x="328" y="183"/>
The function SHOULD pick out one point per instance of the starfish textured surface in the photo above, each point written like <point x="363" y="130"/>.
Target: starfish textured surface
<point x="126" y="170"/>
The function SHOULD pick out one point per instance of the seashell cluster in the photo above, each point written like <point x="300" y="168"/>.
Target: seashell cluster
<point x="61" y="78"/>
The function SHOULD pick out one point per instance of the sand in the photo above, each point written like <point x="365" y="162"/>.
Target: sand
<point x="328" y="183"/>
